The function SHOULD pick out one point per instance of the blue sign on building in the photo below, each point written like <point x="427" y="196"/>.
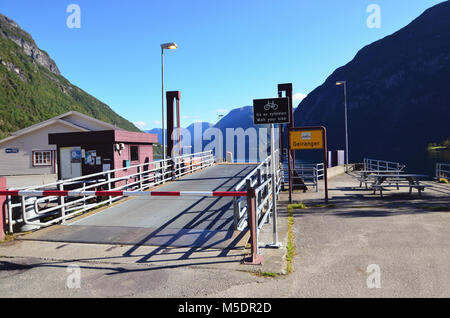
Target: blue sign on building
<point x="12" y="150"/>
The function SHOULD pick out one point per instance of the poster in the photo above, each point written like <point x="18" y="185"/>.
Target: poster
<point x="90" y="157"/>
<point x="75" y="155"/>
<point x="98" y="161"/>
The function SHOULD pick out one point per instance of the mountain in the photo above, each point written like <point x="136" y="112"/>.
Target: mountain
<point x="32" y="88"/>
<point x="398" y="94"/>
<point x="240" y="120"/>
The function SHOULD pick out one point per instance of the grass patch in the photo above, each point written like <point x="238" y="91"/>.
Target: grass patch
<point x="298" y="205"/>
<point x="443" y="180"/>
<point x="8" y="238"/>
<point x="267" y="274"/>
<point x="290" y="244"/>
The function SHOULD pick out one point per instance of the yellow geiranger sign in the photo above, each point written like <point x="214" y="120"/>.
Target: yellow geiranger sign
<point x="306" y="139"/>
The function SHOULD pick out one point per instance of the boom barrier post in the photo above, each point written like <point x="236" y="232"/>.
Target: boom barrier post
<point x="254" y="258"/>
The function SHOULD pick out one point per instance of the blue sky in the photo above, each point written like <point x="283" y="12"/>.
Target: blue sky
<point x="230" y="52"/>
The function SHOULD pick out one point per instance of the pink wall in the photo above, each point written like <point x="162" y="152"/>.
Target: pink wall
<point x="145" y="155"/>
<point x="2" y="209"/>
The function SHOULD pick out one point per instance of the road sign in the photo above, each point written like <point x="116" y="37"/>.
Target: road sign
<point x="315" y="137"/>
<point x="306" y="139"/>
<point x="271" y="111"/>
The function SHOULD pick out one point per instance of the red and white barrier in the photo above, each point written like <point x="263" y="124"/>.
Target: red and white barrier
<point x="66" y="193"/>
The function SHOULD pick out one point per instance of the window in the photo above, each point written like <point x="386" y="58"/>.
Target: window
<point x="42" y="158"/>
<point x="134" y="153"/>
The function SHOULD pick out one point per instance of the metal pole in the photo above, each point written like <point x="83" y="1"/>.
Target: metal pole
<point x="221" y="138"/>
<point x="346" y="131"/>
<point x="254" y="258"/>
<point x="61" y="203"/>
<point x="325" y="160"/>
<point x="162" y="106"/>
<point x="276" y="243"/>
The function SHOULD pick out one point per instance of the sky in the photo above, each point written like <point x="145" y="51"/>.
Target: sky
<point x="230" y="52"/>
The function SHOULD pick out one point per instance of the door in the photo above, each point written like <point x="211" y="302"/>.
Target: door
<point x="70" y="162"/>
<point x="64" y="160"/>
<point x="75" y="155"/>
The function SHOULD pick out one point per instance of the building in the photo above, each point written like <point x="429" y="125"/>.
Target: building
<point x="27" y="151"/>
<point x="85" y="153"/>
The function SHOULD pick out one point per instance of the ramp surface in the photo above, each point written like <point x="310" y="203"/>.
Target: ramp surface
<point x="164" y="221"/>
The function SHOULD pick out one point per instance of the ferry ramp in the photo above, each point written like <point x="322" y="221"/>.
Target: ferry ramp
<point x="205" y="222"/>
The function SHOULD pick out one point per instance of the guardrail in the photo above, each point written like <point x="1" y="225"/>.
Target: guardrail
<point x="260" y="181"/>
<point x="442" y="170"/>
<point x="33" y="211"/>
<point x="310" y="174"/>
<point x="379" y="165"/>
<point x="192" y="162"/>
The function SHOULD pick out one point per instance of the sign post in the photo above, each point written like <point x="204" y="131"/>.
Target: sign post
<point x="304" y="138"/>
<point x="272" y="111"/>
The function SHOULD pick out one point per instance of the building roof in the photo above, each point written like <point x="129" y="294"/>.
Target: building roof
<point x="63" y="119"/>
<point x="102" y="136"/>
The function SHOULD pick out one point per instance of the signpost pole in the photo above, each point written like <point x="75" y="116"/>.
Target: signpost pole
<point x="325" y="163"/>
<point x="272" y="111"/>
<point x="289" y="171"/>
<point x="276" y="243"/>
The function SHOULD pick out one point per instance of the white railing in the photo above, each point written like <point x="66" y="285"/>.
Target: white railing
<point x="31" y="210"/>
<point x="192" y="162"/>
<point x="381" y="165"/>
<point x="442" y="170"/>
<point x="260" y="179"/>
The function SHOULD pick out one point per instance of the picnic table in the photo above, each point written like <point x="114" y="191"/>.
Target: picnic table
<point x="365" y="176"/>
<point x="399" y="180"/>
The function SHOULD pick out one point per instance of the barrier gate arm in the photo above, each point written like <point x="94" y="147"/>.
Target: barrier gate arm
<point x="253" y="259"/>
<point x="67" y="193"/>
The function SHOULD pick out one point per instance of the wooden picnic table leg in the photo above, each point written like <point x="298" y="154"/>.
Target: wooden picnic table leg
<point x="382" y="179"/>
<point x="414" y="183"/>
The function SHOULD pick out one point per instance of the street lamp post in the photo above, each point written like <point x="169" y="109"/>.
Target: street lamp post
<point x="164" y="46"/>
<point x="346" y="129"/>
<point x="221" y="135"/>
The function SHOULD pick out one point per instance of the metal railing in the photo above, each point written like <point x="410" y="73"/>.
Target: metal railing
<point x="192" y="162"/>
<point x="310" y="174"/>
<point x="37" y="211"/>
<point x="442" y="170"/>
<point x="381" y="165"/>
<point x="259" y="179"/>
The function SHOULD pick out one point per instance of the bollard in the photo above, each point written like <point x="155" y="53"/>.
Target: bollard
<point x="254" y="258"/>
<point x="2" y="209"/>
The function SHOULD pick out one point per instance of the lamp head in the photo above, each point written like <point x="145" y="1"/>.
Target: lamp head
<point x="169" y="46"/>
<point x="340" y="83"/>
